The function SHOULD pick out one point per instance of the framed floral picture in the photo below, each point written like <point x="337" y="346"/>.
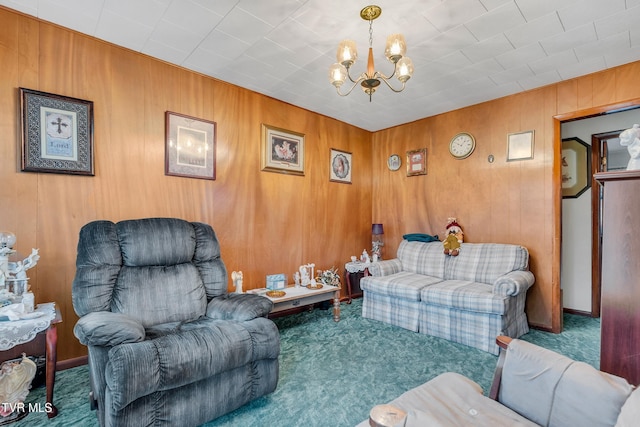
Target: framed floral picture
<point x="340" y="166"/>
<point x="190" y="146"/>
<point x="417" y="162"/>
<point x="282" y="151"/>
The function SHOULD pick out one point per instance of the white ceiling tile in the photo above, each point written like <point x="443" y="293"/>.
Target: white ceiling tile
<point x="588" y="10"/>
<point x="581" y="68"/>
<point x="616" y="42"/>
<point x="244" y="26"/>
<point x="569" y="39"/>
<point x="514" y="58"/>
<point x="192" y="18"/>
<point x="488" y="48"/>
<point x="539" y="80"/>
<point x="533" y="9"/>
<point x="122" y="31"/>
<point x="464" y="51"/>
<point x="553" y="62"/>
<point x="496" y="21"/>
<point x="452" y="13"/>
<point x="537" y="29"/>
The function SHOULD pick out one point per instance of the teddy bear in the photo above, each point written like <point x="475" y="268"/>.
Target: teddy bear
<point x="453" y="239"/>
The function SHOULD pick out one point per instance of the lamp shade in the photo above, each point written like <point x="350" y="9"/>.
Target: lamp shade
<point x="377" y="229"/>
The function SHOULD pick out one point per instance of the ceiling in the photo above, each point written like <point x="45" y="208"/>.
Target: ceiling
<point x="464" y="51"/>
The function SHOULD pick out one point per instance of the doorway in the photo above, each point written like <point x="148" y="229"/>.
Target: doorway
<point x="580" y="263"/>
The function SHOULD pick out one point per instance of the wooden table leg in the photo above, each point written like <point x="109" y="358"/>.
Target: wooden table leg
<point x="347" y="276"/>
<point x="51" y="360"/>
<point x="336" y="306"/>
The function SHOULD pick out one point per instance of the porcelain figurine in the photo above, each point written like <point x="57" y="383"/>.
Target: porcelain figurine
<point x="236" y="276"/>
<point x="630" y="138"/>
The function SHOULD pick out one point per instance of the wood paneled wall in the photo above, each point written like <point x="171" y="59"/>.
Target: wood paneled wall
<point x="505" y="202"/>
<point x="267" y="222"/>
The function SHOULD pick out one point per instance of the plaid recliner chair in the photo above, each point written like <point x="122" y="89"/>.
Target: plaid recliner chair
<point x="167" y="344"/>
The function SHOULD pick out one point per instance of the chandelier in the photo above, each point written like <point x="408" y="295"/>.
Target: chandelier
<point x="370" y="80"/>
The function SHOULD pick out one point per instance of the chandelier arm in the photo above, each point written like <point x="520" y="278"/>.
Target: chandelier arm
<point x="386" y="81"/>
<point x="355" y="83"/>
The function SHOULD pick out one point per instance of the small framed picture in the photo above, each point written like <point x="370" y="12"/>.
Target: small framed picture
<point x="576" y="167"/>
<point x="190" y="146"/>
<point x="340" y="170"/>
<point x="520" y="146"/>
<point x="417" y="162"/>
<point x="57" y="133"/>
<point x="282" y="151"/>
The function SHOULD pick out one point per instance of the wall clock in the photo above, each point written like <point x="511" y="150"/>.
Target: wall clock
<point x="462" y="145"/>
<point x="394" y="162"/>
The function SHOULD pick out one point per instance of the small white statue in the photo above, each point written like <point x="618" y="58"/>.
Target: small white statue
<point x="19" y="269"/>
<point x="365" y="256"/>
<point x="304" y="276"/>
<point x="236" y="276"/>
<point x="296" y="278"/>
<point x="630" y="138"/>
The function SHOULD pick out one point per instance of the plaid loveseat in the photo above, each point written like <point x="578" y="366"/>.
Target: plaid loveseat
<point x="469" y="299"/>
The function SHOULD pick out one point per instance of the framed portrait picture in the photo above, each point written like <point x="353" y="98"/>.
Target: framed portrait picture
<point x="190" y="146"/>
<point x="57" y="133"/>
<point x="576" y="167"/>
<point x="282" y="151"/>
<point x="340" y="170"/>
<point x="417" y="162"/>
<point x="520" y="146"/>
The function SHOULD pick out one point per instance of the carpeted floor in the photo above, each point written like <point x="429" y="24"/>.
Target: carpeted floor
<point x="334" y="373"/>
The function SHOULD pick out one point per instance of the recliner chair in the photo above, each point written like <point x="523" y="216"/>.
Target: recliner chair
<point x="167" y="344"/>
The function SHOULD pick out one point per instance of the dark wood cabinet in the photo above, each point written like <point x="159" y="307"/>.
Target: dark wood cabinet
<point x="620" y="304"/>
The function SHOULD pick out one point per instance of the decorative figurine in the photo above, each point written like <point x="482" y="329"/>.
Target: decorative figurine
<point x="236" y="276"/>
<point x="630" y="138"/>
<point x="365" y="256"/>
<point x="453" y="240"/>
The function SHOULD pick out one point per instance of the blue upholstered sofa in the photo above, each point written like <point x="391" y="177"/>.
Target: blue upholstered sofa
<point x="469" y="299"/>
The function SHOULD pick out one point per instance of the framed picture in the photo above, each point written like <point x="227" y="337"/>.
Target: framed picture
<point x="57" y="133"/>
<point x="576" y="167"/>
<point x="340" y="170"/>
<point x="417" y="162"/>
<point x="190" y="146"/>
<point x="282" y="151"/>
<point x="520" y="146"/>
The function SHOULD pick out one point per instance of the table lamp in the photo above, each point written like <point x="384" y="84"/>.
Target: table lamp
<point x="377" y="241"/>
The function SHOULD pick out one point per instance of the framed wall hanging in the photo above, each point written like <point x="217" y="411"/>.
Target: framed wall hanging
<point x="417" y="162"/>
<point x="282" y="151"/>
<point x="340" y="170"/>
<point x="190" y="146"/>
<point x="57" y="133"/>
<point x="576" y="167"/>
<point x="520" y="146"/>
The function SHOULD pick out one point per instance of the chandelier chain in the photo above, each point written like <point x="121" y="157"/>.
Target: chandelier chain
<point x="370" y="32"/>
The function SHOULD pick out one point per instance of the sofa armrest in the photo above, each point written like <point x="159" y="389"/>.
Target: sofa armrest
<point x="104" y="328"/>
<point x="385" y="267"/>
<point x="239" y="307"/>
<point x="513" y="283"/>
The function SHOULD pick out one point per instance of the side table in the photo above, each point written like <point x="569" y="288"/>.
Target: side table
<point x="355" y="267"/>
<point x="45" y="342"/>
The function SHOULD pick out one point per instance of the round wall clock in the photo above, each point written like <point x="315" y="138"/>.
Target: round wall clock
<point x="462" y="145"/>
<point x="394" y="162"/>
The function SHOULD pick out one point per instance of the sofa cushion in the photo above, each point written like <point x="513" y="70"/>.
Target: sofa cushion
<point x="404" y="285"/>
<point x="565" y="392"/>
<point x="422" y="258"/>
<point x="452" y="400"/>
<point x="630" y="413"/>
<point x="465" y="295"/>
<point x="486" y="262"/>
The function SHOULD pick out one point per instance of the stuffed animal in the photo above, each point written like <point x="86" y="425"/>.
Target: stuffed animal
<point x="453" y="239"/>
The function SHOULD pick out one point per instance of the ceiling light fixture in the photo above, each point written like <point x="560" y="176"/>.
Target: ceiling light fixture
<point x="395" y="50"/>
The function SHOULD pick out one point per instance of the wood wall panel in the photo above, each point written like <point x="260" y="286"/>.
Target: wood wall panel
<point x="266" y="222"/>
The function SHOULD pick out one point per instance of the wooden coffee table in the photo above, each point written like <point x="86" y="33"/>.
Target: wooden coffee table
<point x="300" y="296"/>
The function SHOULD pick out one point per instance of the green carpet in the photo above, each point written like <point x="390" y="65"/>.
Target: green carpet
<point x="332" y="374"/>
